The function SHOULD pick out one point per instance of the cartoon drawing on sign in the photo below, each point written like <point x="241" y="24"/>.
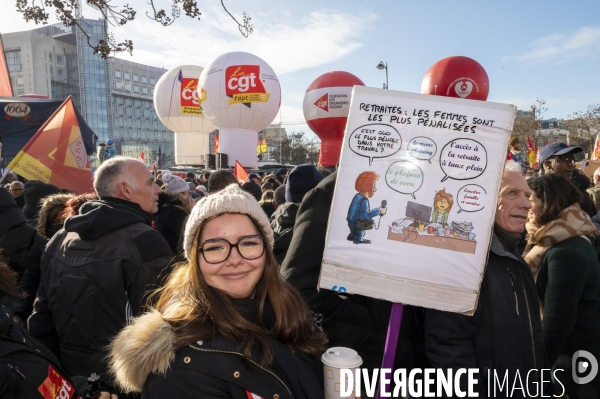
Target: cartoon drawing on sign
<point x="360" y="216"/>
<point x="427" y="226"/>
<point x="463" y="159"/>
<point x="442" y="203"/>
<point x="375" y="141"/>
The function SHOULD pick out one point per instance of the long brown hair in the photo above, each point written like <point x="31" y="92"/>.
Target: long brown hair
<point x="197" y="311"/>
<point x="556" y="193"/>
<point x="440" y="195"/>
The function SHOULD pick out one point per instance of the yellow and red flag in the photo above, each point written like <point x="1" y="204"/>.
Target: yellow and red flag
<point x="263" y="147"/>
<point x="258" y="148"/>
<point x="596" y="148"/>
<point x="56" y="153"/>
<point x="216" y="143"/>
<point x="240" y="173"/>
<point x="530" y="152"/>
<point x="5" y="86"/>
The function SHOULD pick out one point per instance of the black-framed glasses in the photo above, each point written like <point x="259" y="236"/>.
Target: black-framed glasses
<point x="217" y="250"/>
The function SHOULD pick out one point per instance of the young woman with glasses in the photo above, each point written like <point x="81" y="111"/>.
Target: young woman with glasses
<point x="226" y="324"/>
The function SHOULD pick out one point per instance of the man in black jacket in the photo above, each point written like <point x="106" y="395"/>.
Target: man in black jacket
<point x="504" y="336"/>
<point x="97" y="272"/>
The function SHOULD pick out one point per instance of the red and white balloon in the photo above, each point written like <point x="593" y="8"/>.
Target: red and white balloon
<point x="458" y="76"/>
<point x="178" y="108"/>
<point x="326" y="107"/>
<point x="240" y="95"/>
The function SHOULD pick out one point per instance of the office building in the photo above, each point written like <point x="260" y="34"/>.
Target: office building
<point x="115" y="96"/>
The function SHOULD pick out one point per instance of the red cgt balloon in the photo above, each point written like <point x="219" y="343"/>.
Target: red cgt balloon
<point x="461" y="77"/>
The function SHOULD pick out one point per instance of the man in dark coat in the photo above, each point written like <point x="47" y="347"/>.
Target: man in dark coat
<point x="97" y="272"/>
<point x="505" y="333"/>
<point x="353" y="321"/>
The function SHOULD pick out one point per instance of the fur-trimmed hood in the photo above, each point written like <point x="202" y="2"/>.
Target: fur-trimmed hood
<point x="143" y="348"/>
<point x="48" y="205"/>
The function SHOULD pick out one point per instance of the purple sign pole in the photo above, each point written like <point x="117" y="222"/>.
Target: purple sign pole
<point x="391" y="342"/>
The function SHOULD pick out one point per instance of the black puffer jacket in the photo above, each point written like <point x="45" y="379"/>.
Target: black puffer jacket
<point x="144" y="360"/>
<point x="170" y="221"/>
<point x="505" y="333"/>
<point x="282" y="223"/>
<point x="96" y="275"/>
<point x="353" y="321"/>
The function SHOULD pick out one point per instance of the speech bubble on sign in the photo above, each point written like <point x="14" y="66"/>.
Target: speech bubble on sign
<point x="404" y="177"/>
<point x="463" y="159"/>
<point x="375" y="141"/>
<point x="470" y="198"/>
<point x="422" y="148"/>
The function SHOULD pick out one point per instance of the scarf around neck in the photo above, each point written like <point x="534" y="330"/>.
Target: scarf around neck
<point x="571" y="222"/>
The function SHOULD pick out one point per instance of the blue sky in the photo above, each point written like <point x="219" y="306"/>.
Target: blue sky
<point x="530" y="49"/>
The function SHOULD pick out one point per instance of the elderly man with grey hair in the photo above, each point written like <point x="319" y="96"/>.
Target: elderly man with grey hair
<point x="97" y="272"/>
<point x="505" y="333"/>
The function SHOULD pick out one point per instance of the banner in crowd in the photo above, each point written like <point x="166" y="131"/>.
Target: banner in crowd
<point x="415" y="198"/>
<point x="56" y="154"/>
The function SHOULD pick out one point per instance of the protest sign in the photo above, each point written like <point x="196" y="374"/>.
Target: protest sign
<point x="415" y="198"/>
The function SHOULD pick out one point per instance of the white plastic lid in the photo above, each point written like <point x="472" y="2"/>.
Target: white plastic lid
<point x="341" y="357"/>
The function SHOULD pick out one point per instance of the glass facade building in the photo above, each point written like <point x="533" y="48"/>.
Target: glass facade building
<point x="115" y="96"/>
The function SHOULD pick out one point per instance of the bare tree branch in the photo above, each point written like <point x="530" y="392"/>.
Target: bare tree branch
<point x="66" y="12"/>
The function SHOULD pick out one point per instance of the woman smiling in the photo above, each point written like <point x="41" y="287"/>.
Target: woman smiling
<point x="226" y="324"/>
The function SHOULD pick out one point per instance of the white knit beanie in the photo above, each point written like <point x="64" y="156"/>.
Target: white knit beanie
<point x="231" y="199"/>
<point x="174" y="184"/>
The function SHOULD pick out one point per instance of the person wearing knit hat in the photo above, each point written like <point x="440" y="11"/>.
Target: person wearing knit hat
<point x="174" y="184"/>
<point x="226" y="305"/>
<point x="301" y="180"/>
<point x="33" y="193"/>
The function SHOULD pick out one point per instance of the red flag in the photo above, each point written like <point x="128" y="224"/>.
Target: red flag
<point x="142" y="157"/>
<point x="56" y="153"/>
<point x="508" y="155"/>
<point x="239" y="172"/>
<point x="5" y="86"/>
<point x="216" y="142"/>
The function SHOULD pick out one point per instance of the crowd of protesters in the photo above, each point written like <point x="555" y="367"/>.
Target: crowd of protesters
<point x="139" y="283"/>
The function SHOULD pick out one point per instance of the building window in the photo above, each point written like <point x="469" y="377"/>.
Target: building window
<point x="152" y="81"/>
<point x="129" y="111"/>
<point x="136" y="88"/>
<point x="136" y="78"/>
<point x="126" y="76"/>
<point x="144" y="90"/>
<point x="118" y="74"/>
<point x="118" y="85"/>
<point x="59" y="58"/>
<point x="20" y="81"/>
<point x="60" y="72"/>
<point x="127" y="87"/>
<point x="50" y="57"/>
<point x="13" y="60"/>
<point x="144" y="80"/>
<point x="51" y="70"/>
<point x="152" y="91"/>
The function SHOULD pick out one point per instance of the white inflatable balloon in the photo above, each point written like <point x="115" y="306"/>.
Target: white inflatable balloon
<point x="177" y="104"/>
<point x="240" y="95"/>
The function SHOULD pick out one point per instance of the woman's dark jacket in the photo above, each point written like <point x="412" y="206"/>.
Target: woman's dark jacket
<point x="145" y="361"/>
<point x="568" y="284"/>
<point x="353" y="321"/>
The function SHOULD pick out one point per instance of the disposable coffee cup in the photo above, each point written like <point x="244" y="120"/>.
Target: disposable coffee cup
<point x="335" y="359"/>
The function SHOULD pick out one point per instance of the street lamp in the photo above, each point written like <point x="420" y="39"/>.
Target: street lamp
<point x="381" y="66"/>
